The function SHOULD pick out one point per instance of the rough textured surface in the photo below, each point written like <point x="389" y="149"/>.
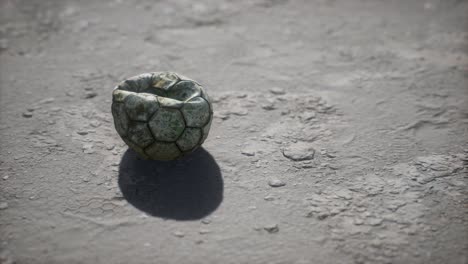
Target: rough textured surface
<point x="377" y="87"/>
<point x="167" y="125"/>
<point x="189" y="139"/>
<point x="161" y="107"/>
<point x="299" y="151"/>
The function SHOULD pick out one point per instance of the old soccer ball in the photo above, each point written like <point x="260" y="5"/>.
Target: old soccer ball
<point x="161" y="115"/>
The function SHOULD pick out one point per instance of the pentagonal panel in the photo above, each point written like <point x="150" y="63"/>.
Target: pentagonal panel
<point x="189" y="139"/>
<point x="164" y="80"/>
<point x="196" y="112"/>
<point x="136" y="148"/>
<point x="139" y="134"/>
<point x="120" y="118"/>
<point x="118" y="96"/>
<point x="167" y="124"/>
<point x="206" y="130"/>
<point x="140" y="107"/>
<point x="163" y="151"/>
<point x="183" y="90"/>
<point x="170" y="103"/>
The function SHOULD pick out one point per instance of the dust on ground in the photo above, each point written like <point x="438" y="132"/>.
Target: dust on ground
<point x="340" y="132"/>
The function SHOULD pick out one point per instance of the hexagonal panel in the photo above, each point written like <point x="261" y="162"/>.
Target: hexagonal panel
<point x="189" y="139"/>
<point x="206" y="130"/>
<point x="169" y="103"/>
<point x="164" y="80"/>
<point x="163" y="151"/>
<point x="139" y="134"/>
<point x="167" y="124"/>
<point x="196" y="112"/>
<point x="184" y="90"/>
<point x="140" y="107"/>
<point x="120" y="118"/>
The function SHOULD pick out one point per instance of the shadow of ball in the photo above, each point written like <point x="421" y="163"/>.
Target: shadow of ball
<point x="186" y="189"/>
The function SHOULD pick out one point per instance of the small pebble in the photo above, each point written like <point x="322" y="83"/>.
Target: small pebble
<point x="88" y="148"/>
<point x="307" y="116"/>
<point x="358" y="221"/>
<point x="55" y="109"/>
<point x="82" y="133"/>
<point x="27" y="114"/>
<point x="323" y="215"/>
<point x="110" y="147"/>
<point x="204" y="231"/>
<point x="271" y="228"/>
<point x="3" y="205"/>
<point x="47" y="100"/>
<point x="299" y="152"/>
<point x="178" y="234"/>
<point x="206" y="221"/>
<point x="269" y="105"/>
<point x="277" y="91"/>
<point x="95" y="123"/>
<point x="248" y="152"/>
<point x="3" y="44"/>
<point x="276" y="183"/>
<point x="6" y="177"/>
<point x="375" y="221"/>
<point x="89" y="95"/>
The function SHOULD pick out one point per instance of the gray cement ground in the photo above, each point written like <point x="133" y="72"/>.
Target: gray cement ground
<point x="340" y="132"/>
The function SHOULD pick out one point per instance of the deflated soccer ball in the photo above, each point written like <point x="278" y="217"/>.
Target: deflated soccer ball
<point x="161" y="115"/>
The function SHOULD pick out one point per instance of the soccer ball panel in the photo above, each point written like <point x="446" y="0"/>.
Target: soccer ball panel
<point x="119" y="96"/>
<point x="164" y="80"/>
<point x="167" y="124"/>
<point x="140" y="107"/>
<point x="163" y="151"/>
<point x="139" y="133"/>
<point x="169" y="103"/>
<point x="189" y="139"/>
<point x="120" y="118"/>
<point x="136" y="148"/>
<point x="196" y="112"/>
<point x="140" y="82"/>
<point x="184" y="90"/>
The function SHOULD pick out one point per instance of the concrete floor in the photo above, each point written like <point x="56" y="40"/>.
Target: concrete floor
<point x="339" y="136"/>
